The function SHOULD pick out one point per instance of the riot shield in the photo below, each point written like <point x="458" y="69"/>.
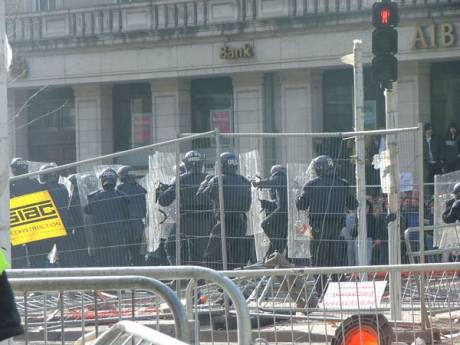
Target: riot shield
<point x="160" y="220"/>
<point x="444" y="237"/>
<point x="299" y="234"/>
<point x="250" y="167"/>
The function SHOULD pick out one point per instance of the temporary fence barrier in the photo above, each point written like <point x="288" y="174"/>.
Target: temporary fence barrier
<point x="446" y="250"/>
<point x="127" y="331"/>
<point x="258" y="216"/>
<point x="65" y="304"/>
<point x="313" y="305"/>
<point x="211" y="317"/>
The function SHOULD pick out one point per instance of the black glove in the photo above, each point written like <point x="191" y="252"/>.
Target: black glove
<point x="255" y="183"/>
<point x="391" y="217"/>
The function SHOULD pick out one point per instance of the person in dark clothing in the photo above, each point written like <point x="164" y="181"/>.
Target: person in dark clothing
<point x="195" y="213"/>
<point x="78" y="251"/>
<point x="237" y="202"/>
<point x="10" y="322"/>
<point x="19" y="166"/>
<point x="58" y="192"/>
<point x="275" y="224"/>
<point x="137" y="207"/>
<point x="327" y="198"/>
<point x="452" y="149"/>
<point x="109" y="210"/>
<point x="452" y="212"/>
<point x="433" y="154"/>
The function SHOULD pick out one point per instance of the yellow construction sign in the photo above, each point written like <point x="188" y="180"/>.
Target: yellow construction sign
<point x="3" y="262"/>
<point x="34" y="217"/>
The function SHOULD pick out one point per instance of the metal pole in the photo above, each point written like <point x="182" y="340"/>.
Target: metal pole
<point x="421" y="220"/>
<point x="360" y="152"/>
<point x="5" y="243"/>
<point x="394" y="246"/>
<point x="223" y="236"/>
<point x="178" y="210"/>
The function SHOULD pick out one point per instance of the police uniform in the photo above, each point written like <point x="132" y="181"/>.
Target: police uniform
<point x="196" y="213"/>
<point x="327" y="198"/>
<point x="275" y="224"/>
<point x="78" y="251"/>
<point x="137" y="210"/>
<point x="108" y="209"/>
<point x="237" y="202"/>
<point x="20" y="253"/>
<point x="60" y="196"/>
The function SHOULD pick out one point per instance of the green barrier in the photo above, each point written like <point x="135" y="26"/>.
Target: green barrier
<point x="3" y="262"/>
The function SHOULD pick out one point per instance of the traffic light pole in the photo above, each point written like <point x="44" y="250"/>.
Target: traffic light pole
<point x="394" y="246"/>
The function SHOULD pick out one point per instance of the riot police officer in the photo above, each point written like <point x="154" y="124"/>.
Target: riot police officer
<point x="275" y="224"/>
<point x="60" y="196"/>
<point x="78" y="255"/>
<point x="21" y="187"/>
<point x="109" y="210"/>
<point x="24" y="186"/>
<point x="452" y="211"/>
<point x="326" y="198"/>
<point x="237" y="202"/>
<point x="195" y="213"/>
<point x="137" y="207"/>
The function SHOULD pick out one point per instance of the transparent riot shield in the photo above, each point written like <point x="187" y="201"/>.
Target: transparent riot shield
<point x="444" y="237"/>
<point x="299" y="233"/>
<point x="160" y="220"/>
<point x="35" y="166"/>
<point x="250" y="167"/>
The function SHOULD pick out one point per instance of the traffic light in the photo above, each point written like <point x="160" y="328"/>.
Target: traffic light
<point x="385" y="17"/>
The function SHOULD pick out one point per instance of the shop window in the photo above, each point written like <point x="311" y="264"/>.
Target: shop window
<point x="132" y="120"/>
<point x="46" y="5"/>
<point x="212" y="107"/>
<point x="445" y="95"/>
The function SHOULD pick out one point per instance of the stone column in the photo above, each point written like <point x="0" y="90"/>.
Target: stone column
<point x="414" y="106"/>
<point x="296" y="114"/>
<point x="18" y="123"/>
<point x="171" y="108"/>
<point x="93" y="120"/>
<point x="248" y="114"/>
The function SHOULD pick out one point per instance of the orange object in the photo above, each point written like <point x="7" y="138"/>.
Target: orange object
<point x="361" y="336"/>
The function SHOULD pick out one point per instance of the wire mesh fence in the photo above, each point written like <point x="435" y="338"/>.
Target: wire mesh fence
<point x="286" y="305"/>
<point x="290" y="193"/>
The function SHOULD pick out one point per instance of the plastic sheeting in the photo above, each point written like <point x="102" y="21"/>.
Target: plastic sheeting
<point x="250" y="167"/>
<point x="160" y="220"/>
<point x="299" y="233"/>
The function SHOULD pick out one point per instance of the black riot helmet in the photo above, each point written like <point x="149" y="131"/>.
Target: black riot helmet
<point x="48" y="177"/>
<point x="229" y="163"/>
<point x="193" y="162"/>
<point x="277" y="169"/>
<point x="123" y="174"/>
<point x="456" y="190"/>
<point x="108" y="178"/>
<point x="19" y="166"/>
<point x="323" y="165"/>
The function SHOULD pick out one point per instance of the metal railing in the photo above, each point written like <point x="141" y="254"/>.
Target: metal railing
<point x="46" y="283"/>
<point x="126" y="331"/>
<point x="309" y="305"/>
<point x="197" y="274"/>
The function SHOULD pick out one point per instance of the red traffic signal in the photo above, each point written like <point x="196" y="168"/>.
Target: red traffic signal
<point x="385" y="14"/>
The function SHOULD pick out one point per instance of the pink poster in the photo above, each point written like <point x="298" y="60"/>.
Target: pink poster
<point x="142" y="129"/>
<point x="220" y="119"/>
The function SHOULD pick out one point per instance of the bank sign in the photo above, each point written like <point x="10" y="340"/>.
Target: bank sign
<point x="442" y="35"/>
